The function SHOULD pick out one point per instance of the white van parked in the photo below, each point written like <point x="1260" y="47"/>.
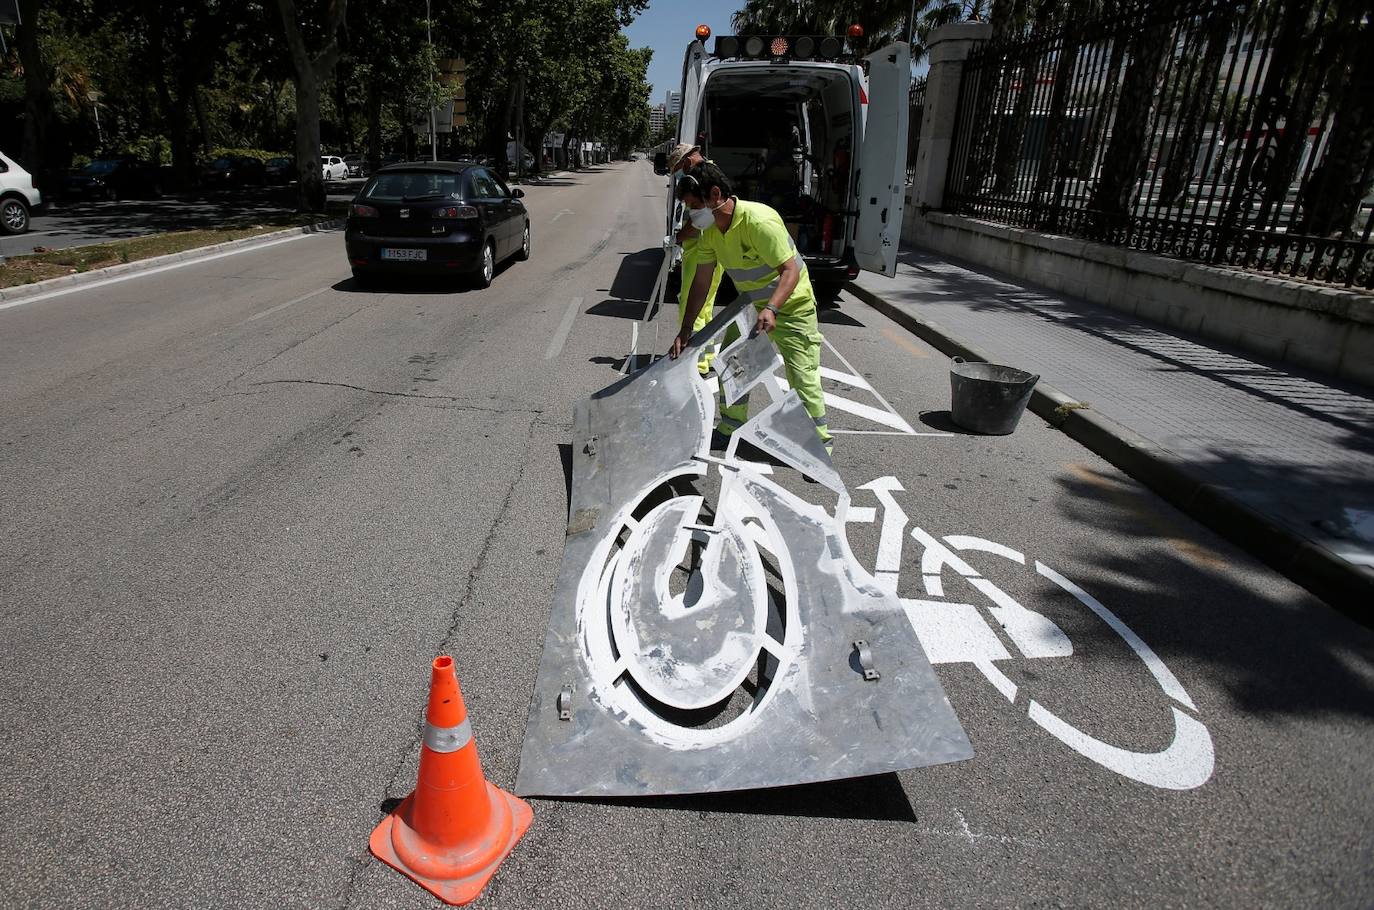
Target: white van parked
<point x="801" y="124"/>
<point x="19" y="198"/>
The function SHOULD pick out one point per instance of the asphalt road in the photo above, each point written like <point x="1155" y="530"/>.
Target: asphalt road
<point x="244" y="503"/>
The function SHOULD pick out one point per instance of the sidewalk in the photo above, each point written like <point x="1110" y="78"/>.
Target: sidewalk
<point x="1280" y="461"/>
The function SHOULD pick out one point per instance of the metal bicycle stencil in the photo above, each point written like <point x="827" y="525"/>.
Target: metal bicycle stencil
<point x="699" y="646"/>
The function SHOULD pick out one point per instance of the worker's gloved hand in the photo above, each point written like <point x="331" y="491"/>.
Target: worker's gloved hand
<point x="679" y="342"/>
<point x="686" y="234"/>
<point x="766" y="322"/>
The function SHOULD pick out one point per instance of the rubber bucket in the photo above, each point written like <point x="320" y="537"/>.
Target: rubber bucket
<point x="988" y="398"/>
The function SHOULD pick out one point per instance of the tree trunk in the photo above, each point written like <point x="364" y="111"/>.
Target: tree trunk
<point x="1331" y="199"/>
<point x="1183" y="155"/>
<point x="1271" y="104"/>
<point x="1054" y="151"/>
<point x="1126" y="150"/>
<point x="206" y="142"/>
<point x="1009" y="150"/>
<point x="37" y="95"/>
<point x="537" y="148"/>
<point x="308" y="171"/>
<point x="343" y="135"/>
<point x="1092" y="138"/>
<point x="374" y="123"/>
<point x="309" y="72"/>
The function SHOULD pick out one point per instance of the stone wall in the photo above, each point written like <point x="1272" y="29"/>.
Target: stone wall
<point x="1330" y="330"/>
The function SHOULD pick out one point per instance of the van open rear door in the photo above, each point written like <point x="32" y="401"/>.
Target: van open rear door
<point x="687" y="117"/>
<point x="882" y="160"/>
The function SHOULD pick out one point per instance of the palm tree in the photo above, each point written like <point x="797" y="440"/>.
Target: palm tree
<point x="882" y="21"/>
<point x="1203" y="75"/>
<point x="1331" y="199"/>
<point x="1125" y="154"/>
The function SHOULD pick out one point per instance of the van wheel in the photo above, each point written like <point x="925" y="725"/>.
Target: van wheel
<point x="481" y="279"/>
<point x="524" y="253"/>
<point x="14" y="216"/>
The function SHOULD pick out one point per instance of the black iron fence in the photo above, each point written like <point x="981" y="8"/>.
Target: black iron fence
<point x="1220" y="132"/>
<point x="916" y="107"/>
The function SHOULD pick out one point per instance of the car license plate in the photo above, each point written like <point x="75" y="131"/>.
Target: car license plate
<point x="416" y="255"/>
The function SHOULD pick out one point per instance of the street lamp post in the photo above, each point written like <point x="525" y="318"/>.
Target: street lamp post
<point x="433" y="131"/>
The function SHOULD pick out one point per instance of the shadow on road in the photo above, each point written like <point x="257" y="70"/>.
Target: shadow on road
<point x="1293" y="656"/>
<point x="635" y="277"/>
<point x="835" y="316"/>
<point x="877" y="798"/>
<point x="619" y="309"/>
<point x="944" y="422"/>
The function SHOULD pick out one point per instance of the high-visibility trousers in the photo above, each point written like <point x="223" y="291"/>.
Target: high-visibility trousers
<point x="799" y="343"/>
<point x="689" y="271"/>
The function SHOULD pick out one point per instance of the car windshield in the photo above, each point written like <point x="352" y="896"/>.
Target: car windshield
<point x="279" y="162"/>
<point x="221" y="164"/>
<point x="103" y="166"/>
<point x="412" y="186"/>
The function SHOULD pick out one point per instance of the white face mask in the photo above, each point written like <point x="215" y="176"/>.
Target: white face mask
<point x="704" y="218"/>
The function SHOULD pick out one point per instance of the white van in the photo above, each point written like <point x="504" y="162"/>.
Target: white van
<point x="798" y="123"/>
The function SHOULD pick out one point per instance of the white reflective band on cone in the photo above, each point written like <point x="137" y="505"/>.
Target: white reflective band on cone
<point x="447" y="739"/>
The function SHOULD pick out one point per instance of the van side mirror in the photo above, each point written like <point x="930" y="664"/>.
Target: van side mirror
<point x="661" y="163"/>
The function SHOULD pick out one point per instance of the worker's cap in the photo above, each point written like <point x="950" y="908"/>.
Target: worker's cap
<point x="676" y="156"/>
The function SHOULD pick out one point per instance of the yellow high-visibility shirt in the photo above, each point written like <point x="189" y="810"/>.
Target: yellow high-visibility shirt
<point x="751" y="251"/>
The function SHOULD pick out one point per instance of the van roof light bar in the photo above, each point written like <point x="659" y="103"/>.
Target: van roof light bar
<point x="781" y="48"/>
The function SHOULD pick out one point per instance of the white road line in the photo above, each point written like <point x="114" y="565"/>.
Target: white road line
<point x="876" y="394"/>
<point x="281" y="306"/>
<point x="561" y="214"/>
<point x="560" y="337"/>
<point x="146" y="272"/>
<point x="853" y="379"/>
<point x="888" y="418"/>
<point x="835" y="432"/>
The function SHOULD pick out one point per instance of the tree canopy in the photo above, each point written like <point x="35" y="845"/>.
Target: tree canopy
<point x="178" y="81"/>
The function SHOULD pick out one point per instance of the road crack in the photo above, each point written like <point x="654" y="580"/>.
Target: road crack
<point x="463" y="403"/>
<point x="455" y="618"/>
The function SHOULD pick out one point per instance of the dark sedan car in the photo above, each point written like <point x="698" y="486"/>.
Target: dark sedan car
<point x="435" y="217"/>
<point x="120" y="177"/>
<point x="280" y="170"/>
<point x="233" y="172"/>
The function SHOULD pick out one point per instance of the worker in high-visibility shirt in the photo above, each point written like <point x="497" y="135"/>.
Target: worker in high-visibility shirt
<point x="685" y="156"/>
<point x="750" y="241"/>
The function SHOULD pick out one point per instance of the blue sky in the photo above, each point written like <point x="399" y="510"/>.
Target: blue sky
<point x="667" y="26"/>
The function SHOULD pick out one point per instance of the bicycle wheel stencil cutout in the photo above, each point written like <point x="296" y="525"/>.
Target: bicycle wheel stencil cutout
<point x="711" y="630"/>
<point x="997" y="629"/>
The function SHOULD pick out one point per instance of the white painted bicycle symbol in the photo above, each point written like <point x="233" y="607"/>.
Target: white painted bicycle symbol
<point x="954" y="632"/>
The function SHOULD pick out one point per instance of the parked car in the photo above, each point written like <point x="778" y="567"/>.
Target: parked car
<point x="281" y="170"/>
<point x="116" y="177"/>
<point x="435" y="217"/>
<point x="357" y="165"/>
<point x="18" y="197"/>
<point x="333" y="167"/>
<point x="233" y="172"/>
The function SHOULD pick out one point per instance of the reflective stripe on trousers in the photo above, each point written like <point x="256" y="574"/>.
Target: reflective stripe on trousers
<point x="801" y="360"/>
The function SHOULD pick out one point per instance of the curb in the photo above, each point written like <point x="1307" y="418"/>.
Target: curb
<point x="1347" y="587"/>
<point x="19" y="292"/>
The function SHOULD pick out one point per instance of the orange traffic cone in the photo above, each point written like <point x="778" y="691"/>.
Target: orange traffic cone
<point x="454" y="830"/>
